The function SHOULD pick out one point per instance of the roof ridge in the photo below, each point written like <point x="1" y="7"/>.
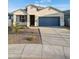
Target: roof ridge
<point x="54" y="8"/>
<point x="35" y="5"/>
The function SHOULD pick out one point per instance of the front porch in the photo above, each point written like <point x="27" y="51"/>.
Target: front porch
<point x="21" y="19"/>
<point x="28" y="20"/>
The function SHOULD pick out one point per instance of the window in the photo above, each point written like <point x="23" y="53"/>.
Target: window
<point x="23" y="18"/>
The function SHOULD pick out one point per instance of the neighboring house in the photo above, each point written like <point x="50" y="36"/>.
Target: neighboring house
<point x="67" y="17"/>
<point x="10" y="19"/>
<point x="34" y="15"/>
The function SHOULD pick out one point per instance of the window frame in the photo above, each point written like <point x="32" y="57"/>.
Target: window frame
<point x="22" y="18"/>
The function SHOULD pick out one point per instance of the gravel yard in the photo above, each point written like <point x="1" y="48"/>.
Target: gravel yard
<point x="27" y="36"/>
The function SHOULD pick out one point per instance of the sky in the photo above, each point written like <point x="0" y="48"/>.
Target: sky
<point x="18" y="4"/>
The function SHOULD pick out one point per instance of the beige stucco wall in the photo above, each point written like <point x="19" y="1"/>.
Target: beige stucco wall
<point x="46" y="11"/>
<point x="31" y="10"/>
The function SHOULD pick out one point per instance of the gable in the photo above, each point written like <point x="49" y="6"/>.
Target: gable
<point x="31" y="9"/>
<point x="19" y="12"/>
<point x="38" y="8"/>
<point x="55" y="9"/>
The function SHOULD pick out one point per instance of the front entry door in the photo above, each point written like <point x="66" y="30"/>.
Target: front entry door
<point x="32" y="20"/>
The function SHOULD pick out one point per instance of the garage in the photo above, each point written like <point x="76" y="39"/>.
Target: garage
<point x="49" y="21"/>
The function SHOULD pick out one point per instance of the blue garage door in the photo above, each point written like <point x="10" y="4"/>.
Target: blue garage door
<point x="49" y="21"/>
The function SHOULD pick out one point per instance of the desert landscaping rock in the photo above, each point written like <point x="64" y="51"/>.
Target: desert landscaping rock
<point x="23" y="35"/>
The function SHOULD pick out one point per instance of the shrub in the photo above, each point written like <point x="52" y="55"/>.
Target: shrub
<point x="16" y="28"/>
<point x="29" y="38"/>
<point x="22" y="26"/>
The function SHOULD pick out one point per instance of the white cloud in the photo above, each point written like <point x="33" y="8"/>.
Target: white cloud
<point x="42" y="5"/>
<point x="43" y="1"/>
<point x="46" y="0"/>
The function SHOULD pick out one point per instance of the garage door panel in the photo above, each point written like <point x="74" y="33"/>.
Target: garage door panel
<point x="49" y="21"/>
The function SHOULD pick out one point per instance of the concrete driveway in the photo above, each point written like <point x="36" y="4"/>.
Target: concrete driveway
<point x="55" y="45"/>
<point x="56" y="42"/>
<point x="55" y="36"/>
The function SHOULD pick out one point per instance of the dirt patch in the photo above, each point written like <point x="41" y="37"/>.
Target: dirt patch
<point x="25" y="36"/>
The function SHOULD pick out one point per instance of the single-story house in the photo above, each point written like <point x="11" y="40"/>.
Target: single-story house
<point x="34" y="15"/>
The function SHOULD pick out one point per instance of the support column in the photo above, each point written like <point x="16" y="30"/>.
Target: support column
<point x="62" y="20"/>
<point x="14" y="20"/>
<point x="36" y="21"/>
<point x="28" y="21"/>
